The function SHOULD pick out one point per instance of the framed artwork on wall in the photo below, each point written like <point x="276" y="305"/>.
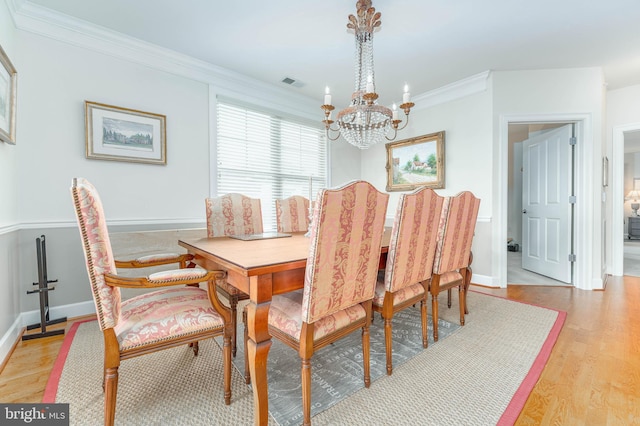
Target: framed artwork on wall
<point x="416" y="162"/>
<point x="122" y="134"/>
<point x="8" y="96"/>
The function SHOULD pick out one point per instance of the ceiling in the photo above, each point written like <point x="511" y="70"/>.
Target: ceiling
<point x="425" y="43"/>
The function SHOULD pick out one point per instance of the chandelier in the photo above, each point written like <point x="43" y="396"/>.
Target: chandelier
<point x="364" y="123"/>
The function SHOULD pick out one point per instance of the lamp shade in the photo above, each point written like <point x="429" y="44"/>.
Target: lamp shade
<point x="633" y="195"/>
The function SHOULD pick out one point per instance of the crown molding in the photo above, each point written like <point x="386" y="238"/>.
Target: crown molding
<point x="58" y="26"/>
<point x="46" y="22"/>
<point x="459" y="89"/>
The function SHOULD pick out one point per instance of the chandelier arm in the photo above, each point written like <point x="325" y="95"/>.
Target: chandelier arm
<point x="329" y="136"/>
<point x="405" y="123"/>
<point x="395" y="133"/>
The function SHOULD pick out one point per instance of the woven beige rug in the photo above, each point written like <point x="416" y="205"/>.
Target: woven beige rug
<point x="480" y="375"/>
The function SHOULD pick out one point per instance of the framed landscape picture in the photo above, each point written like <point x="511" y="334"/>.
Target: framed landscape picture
<point x="8" y="96"/>
<point x="122" y="134"/>
<point x="416" y="162"/>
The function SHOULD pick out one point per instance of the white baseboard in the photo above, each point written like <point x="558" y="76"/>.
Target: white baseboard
<point x="33" y="317"/>
<point x="9" y="338"/>
<point x="485" y="280"/>
<point x="70" y="311"/>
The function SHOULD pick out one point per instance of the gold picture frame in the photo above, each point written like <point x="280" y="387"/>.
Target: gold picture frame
<point x="416" y="162"/>
<point x="122" y="134"/>
<point x="8" y="99"/>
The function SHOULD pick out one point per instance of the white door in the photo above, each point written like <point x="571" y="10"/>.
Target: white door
<point x="546" y="208"/>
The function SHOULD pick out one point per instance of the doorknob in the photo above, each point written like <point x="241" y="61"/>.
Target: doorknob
<point x="524" y="211"/>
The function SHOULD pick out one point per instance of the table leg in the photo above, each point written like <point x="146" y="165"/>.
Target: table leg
<point x="259" y="343"/>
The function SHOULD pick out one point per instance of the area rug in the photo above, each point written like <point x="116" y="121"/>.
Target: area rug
<point x="337" y="370"/>
<point x="481" y="373"/>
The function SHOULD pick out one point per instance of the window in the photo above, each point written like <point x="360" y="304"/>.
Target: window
<point x="266" y="155"/>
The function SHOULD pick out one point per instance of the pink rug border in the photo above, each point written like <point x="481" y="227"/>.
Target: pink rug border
<point x="509" y="416"/>
<point x="51" y="390"/>
<point x="519" y="399"/>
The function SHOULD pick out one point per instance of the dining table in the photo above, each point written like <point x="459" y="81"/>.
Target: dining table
<point x="261" y="268"/>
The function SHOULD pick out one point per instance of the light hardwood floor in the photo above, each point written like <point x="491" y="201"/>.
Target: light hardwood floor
<point x="591" y="378"/>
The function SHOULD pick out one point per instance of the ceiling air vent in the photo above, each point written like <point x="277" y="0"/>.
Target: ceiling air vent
<point x="292" y="82"/>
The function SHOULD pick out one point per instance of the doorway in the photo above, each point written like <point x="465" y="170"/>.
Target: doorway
<point x="540" y="213"/>
<point x="625" y="178"/>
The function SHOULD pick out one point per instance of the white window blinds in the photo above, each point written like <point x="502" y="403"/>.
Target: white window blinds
<point x="264" y="155"/>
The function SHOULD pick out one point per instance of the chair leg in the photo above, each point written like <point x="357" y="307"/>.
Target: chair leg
<point x="449" y="298"/>
<point x="233" y="304"/>
<point x="227" y="368"/>
<point x="111" y="390"/>
<point x="195" y="347"/>
<point x="388" y="342"/>
<point x="466" y="287"/>
<point x="434" y="315"/>
<point x="463" y="302"/>
<point x="423" y="317"/>
<point x="247" y="372"/>
<point x="306" y="390"/>
<point x="365" y="354"/>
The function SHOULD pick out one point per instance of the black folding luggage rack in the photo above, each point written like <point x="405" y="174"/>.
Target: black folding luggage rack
<point x="43" y="290"/>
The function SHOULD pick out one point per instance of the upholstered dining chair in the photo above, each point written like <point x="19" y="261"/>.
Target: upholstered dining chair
<point x="292" y="214"/>
<point x="412" y="249"/>
<point x="453" y="253"/>
<point x="233" y="214"/>
<point x="340" y="278"/>
<point x="159" y="319"/>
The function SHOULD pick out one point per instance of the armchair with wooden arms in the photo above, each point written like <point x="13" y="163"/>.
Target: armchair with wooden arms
<point x="292" y="214"/>
<point x="177" y="312"/>
<point x="453" y="253"/>
<point x="412" y="249"/>
<point x="340" y="278"/>
<point x="233" y="214"/>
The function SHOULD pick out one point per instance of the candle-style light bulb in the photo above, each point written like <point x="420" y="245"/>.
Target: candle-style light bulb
<point x="370" y="88"/>
<point x="406" y="96"/>
<point x="395" y="112"/>
<point x="327" y="96"/>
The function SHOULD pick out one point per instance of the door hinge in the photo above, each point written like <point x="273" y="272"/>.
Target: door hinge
<point x="573" y="141"/>
<point x="572" y="257"/>
<point x="572" y="199"/>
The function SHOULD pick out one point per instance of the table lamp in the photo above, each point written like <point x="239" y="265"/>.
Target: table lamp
<point x="634" y="196"/>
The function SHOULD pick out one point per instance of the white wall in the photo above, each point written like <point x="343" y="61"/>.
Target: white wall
<point x="468" y="161"/>
<point x="56" y="80"/>
<point x="560" y="95"/>
<point x="9" y="301"/>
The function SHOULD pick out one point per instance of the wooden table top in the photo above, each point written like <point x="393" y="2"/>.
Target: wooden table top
<point x="258" y="256"/>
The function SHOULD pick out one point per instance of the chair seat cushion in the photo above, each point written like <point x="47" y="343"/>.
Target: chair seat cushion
<point x="285" y="315"/>
<point x="402" y="295"/>
<point x="165" y="314"/>
<point x="159" y="257"/>
<point x="450" y="277"/>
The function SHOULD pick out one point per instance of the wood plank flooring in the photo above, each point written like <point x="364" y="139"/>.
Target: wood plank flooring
<point x="591" y="378"/>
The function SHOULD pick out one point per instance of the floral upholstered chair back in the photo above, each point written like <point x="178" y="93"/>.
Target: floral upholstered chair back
<point x="233" y="214"/>
<point x="292" y="214"/>
<point x="97" y="251"/>
<point x="414" y="234"/>
<point x="346" y="237"/>
<point x="459" y="216"/>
